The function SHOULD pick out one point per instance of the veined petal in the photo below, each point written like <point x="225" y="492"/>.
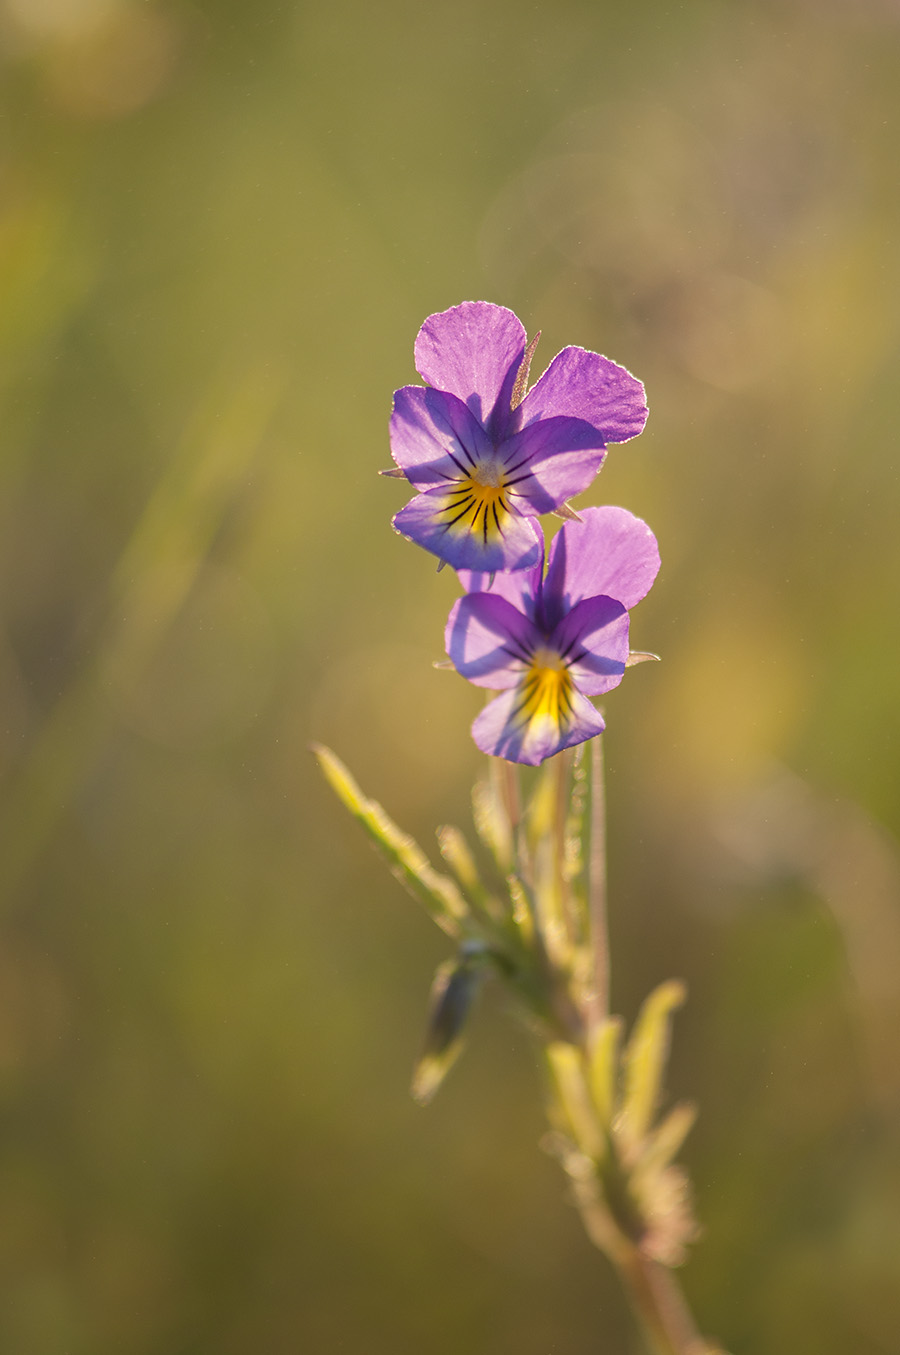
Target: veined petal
<point x="489" y="640"/>
<point x="522" y="587"/>
<point x="593" y="641"/>
<point x="609" y="552"/>
<point x="435" y="439"/>
<point x="510" y="728"/>
<point x="550" y="461"/>
<point x="586" y="386"/>
<point x="470" y="527"/>
<point x="474" y="351"/>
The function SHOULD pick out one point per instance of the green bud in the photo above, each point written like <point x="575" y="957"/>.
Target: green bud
<point x="453" y="991"/>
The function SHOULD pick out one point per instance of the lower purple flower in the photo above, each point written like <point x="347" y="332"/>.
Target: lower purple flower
<point x="548" y="643"/>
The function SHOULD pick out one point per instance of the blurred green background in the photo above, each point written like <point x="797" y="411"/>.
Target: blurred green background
<point x="221" y="225"/>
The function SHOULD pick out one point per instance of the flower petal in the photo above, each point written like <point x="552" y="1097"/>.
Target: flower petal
<point x="489" y="640"/>
<point x="609" y="552"/>
<point x="434" y="437"/>
<point x="548" y="462"/>
<point x="593" y="639"/>
<point x="474" y="351"/>
<point x="521" y="588"/>
<point x="586" y="386"/>
<point x="500" y="732"/>
<point x="464" y="530"/>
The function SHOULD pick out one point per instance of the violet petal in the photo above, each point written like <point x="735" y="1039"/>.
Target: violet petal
<point x="499" y="731"/>
<point x="609" y="552"/>
<point x="474" y="350"/>
<point x="593" y="639"/>
<point x="434" y="437"/>
<point x="550" y="461"/>
<point x="522" y="587"/>
<point x="489" y="641"/>
<point x="587" y="386"/>
<point x="445" y="523"/>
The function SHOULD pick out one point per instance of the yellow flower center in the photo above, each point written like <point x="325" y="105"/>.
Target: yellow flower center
<point x="479" y="502"/>
<point x="545" y="692"/>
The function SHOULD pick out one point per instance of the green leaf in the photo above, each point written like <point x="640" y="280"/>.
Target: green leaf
<point x="405" y="858"/>
<point x="645" y="1058"/>
<point x="665" y="1141"/>
<point x="523" y="909"/>
<point x="580" y="1114"/>
<point x="603" y="1066"/>
<point x="458" y="855"/>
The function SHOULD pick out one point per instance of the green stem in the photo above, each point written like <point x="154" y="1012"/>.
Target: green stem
<point x="660" y="1307"/>
<point x="597" y="904"/>
<point x="652" y="1291"/>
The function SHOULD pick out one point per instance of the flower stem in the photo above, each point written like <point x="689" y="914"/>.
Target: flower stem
<point x="597" y="906"/>
<point x="652" y="1291"/>
<point x="660" y="1307"/>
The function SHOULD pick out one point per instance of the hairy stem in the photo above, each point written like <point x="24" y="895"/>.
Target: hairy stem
<point x="660" y="1307"/>
<point x="597" y="906"/>
<point x="652" y="1291"/>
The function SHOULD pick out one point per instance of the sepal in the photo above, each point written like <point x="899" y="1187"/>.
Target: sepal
<point x="520" y="386"/>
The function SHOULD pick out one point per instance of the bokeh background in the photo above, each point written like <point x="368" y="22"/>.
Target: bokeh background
<point x="221" y="225"/>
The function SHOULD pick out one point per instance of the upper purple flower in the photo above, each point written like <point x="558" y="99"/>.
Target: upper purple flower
<point x="485" y="459"/>
<point x="548" y="643"/>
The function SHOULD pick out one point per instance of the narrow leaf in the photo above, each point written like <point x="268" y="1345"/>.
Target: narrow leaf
<point x="665" y="1141"/>
<point x="456" y="852"/>
<point x="523" y="909"/>
<point x="567" y="1069"/>
<point x="645" y="1058"/>
<point x="603" y="1065"/>
<point x="407" y="862"/>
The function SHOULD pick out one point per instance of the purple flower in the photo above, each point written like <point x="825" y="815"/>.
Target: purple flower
<point x="549" y="643"/>
<point x="488" y="461"/>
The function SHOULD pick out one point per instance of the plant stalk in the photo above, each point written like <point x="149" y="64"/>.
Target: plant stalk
<point x="597" y="895"/>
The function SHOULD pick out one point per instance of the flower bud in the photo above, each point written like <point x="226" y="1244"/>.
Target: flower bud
<point x="453" y="991"/>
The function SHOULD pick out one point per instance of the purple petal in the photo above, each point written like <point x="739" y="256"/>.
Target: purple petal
<point x="521" y="588"/>
<point x="593" y="639"/>
<point x="434" y="437"/>
<point x="584" y="385"/>
<point x="550" y="461"/>
<point x="474" y="351"/>
<point x="609" y="552"/>
<point x="489" y="641"/>
<point x="464" y="531"/>
<point x="499" y="730"/>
